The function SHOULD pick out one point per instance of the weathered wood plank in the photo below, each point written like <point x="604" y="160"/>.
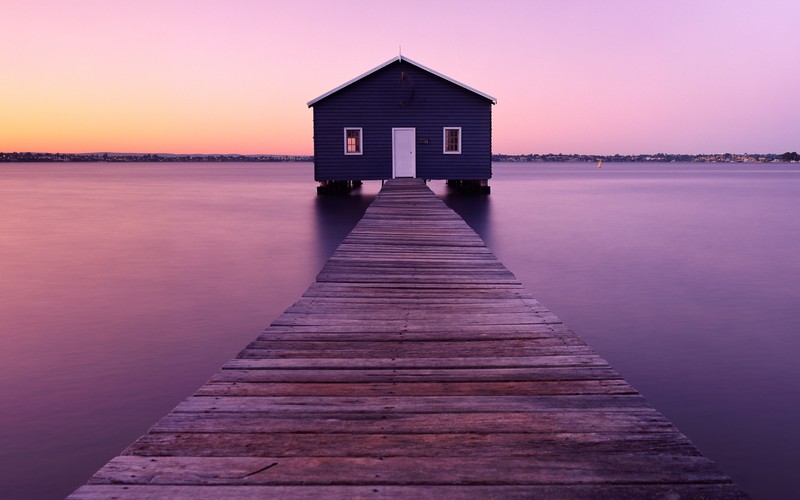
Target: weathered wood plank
<point x="527" y="388"/>
<point x="323" y="336"/>
<point x="633" y="420"/>
<point x="400" y="322"/>
<point x="605" y="468"/>
<point x="432" y="329"/>
<point x="399" y="404"/>
<point x="537" y="335"/>
<point x="399" y="363"/>
<point x="267" y="350"/>
<point x="542" y="346"/>
<point x="411" y="375"/>
<point x="548" y="445"/>
<point x="426" y="492"/>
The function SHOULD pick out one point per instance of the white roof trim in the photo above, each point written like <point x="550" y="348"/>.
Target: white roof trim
<point x="400" y="59"/>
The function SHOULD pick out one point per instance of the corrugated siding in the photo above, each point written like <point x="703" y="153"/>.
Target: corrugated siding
<point x="381" y="102"/>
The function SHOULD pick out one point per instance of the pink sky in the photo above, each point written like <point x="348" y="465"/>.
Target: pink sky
<point x="201" y="76"/>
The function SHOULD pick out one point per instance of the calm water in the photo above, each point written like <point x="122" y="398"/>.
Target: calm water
<point x="124" y="287"/>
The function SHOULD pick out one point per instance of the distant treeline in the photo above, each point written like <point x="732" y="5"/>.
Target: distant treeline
<point x="131" y="157"/>
<point x="135" y="157"/>
<point x="658" y="157"/>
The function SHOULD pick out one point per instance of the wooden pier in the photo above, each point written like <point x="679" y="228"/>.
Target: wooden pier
<point x="416" y="366"/>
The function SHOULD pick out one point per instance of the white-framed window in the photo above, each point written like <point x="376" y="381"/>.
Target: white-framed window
<point x="452" y="140"/>
<point x="353" y="141"/>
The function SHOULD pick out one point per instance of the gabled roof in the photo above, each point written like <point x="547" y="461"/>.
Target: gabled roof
<point x="393" y="60"/>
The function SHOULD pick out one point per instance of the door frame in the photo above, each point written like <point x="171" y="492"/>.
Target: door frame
<point x="413" y="146"/>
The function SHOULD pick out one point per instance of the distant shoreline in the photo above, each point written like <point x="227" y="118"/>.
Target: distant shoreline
<point x="145" y="157"/>
<point x="658" y="158"/>
<point x="534" y="158"/>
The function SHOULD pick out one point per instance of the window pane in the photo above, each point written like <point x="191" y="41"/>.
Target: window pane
<point x="451" y="140"/>
<point x="353" y="141"/>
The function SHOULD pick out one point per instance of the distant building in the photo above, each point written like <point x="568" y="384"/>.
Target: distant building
<point x="402" y="119"/>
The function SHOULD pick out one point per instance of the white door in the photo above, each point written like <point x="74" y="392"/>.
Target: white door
<point x="404" y="157"/>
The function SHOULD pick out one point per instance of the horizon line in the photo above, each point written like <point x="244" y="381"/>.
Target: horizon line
<point x="115" y="153"/>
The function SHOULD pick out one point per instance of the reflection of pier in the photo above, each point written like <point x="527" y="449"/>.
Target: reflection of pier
<point x="335" y="217"/>
<point x="416" y="366"/>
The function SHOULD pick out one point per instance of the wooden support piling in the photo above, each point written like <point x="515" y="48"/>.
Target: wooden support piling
<point x="338" y="187"/>
<point x="416" y="366"/>
<point x="470" y="186"/>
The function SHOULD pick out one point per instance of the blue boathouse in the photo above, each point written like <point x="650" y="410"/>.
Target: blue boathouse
<point x="402" y="119"/>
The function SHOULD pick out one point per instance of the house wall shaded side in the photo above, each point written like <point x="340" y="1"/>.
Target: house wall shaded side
<point x="382" y="101"/>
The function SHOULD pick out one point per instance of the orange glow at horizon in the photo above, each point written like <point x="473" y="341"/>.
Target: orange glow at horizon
<point x="150" y="116"/>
